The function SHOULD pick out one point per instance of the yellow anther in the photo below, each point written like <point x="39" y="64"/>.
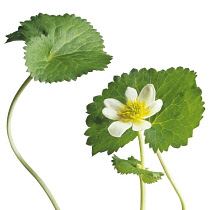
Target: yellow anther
<point x="134" y="111"/>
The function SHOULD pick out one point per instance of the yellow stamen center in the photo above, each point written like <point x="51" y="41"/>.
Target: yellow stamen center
<point x="134" y="111"/>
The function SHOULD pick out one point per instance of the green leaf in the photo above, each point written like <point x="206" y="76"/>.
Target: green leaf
<point x="132" y="166"/>
<point x="172" y="126"/>
<point x="16" y="36"/>
<point x="149" y="179"/>
<point x="60" y="48"/>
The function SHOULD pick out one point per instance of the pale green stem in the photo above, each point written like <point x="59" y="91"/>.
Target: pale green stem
<point x="142" y="184"/>
<point x="33" y="173"/>
<point x="170" y="179"/>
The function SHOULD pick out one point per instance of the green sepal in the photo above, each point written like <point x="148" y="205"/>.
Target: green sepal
<point x="181" y="111"/>
<point x="132" y="166"/>
<point x="60" y="48"/>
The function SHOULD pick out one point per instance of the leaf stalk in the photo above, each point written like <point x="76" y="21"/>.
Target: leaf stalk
<point x="171" y="180"/>
<point x="15" y="150"/>
<point x="142" y="184"/>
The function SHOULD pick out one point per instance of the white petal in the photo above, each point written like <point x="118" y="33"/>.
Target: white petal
<point x="147" y="94"/>
<point x="113" y="103"/>
<point x="131" y="94"/>
<point x="142" y="125"/>
<point x="110" y="114"/>
<point x="155" y="107"/>
<point x="117" y="128"/>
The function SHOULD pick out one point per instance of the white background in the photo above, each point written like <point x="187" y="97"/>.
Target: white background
<point x="49" y="120"/>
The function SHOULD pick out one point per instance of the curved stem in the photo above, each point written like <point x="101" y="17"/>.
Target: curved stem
<point x="170" y="179"/>
<point x="33" y="173"/>
<point x="142" y="184"/>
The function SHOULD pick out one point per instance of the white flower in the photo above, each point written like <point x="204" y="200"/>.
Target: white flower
<point x="133" y="114"/>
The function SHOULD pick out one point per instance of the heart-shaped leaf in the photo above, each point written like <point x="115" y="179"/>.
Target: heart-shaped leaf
<point x="60" y="48"/>
<point x="181" y="111"/>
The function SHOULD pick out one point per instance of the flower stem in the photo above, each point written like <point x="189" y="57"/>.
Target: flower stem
<point x="171" y="181"/>
<point x="24" y="163"/>
<point x="142" y="184"/>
